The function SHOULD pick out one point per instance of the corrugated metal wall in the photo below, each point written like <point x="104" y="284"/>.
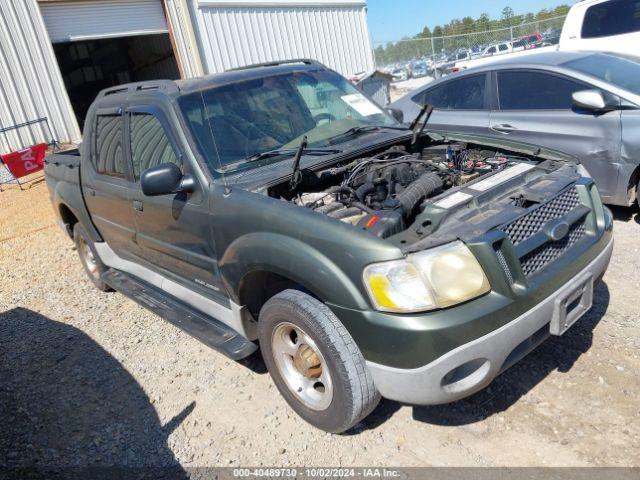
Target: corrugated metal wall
<point x="378" y="88"/>
<point x="30" y="81"/>
<point x="234" y="34"/>
<point x="183" y="38"/>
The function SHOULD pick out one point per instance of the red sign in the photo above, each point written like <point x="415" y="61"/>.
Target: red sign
<point x="25" y="162"/>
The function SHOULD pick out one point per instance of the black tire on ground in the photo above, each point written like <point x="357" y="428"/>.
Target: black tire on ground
<point x="91" y="262"/>
<point x="353" y="393"/>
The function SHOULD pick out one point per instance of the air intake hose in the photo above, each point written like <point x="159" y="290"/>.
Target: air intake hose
<point x="425" y="186"/>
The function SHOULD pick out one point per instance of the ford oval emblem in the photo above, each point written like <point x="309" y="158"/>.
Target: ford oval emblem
<point x="559" y="231"/>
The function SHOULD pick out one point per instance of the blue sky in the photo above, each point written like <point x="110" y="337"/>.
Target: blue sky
<point x="394" y="19"/>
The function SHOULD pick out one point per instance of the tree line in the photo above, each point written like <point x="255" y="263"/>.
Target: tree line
<point x="405" y="50"/>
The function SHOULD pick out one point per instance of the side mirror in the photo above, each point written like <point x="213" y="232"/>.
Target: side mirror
<point x="593" y="100"/>
<point x="165" y="179"/>
<point x="396" y="113"/>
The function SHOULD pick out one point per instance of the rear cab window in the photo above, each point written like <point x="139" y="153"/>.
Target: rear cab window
<point x="467" y="93"/>
<point x="615" y="17"/>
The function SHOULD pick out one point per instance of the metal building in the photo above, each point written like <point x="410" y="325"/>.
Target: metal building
<point x="56" y="54"/>
<point x="235" y="33"/>
<point x="378" y="85"/>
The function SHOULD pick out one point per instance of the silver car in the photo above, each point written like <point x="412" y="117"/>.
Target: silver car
<point x="585" y="104"/>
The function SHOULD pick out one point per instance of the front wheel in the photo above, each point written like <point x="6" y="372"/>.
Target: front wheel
<point x="314" y="362"/>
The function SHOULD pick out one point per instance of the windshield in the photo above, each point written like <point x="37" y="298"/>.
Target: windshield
<point x="234" y="122"/>
<point x="623" y="72"/>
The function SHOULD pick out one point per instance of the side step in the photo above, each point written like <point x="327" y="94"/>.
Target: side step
<point x="208" y="330"/>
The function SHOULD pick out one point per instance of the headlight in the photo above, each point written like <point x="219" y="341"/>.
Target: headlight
<point x="436" y="278"/>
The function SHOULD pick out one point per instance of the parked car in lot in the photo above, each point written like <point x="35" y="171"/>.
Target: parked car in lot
<point x="585" y="104"/>
<point x="278" y="206"/>
<point x="399" y="74"/>
<point x="551" y="37"/>
<point x="449" y="63"/>
<point x="498" y="48"/>
<point x="419" y="70"/>
<point x="527" y="42"/>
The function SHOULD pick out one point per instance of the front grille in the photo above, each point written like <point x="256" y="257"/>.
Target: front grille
<point x="504" y="265"/>
<point x="547" y="253"/>
<point x="531" y="223"/>
<point x="524" y="227"/>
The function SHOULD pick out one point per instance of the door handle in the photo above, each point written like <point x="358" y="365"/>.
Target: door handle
<point x="137" y="205"/>
<point x="504" y="128"/>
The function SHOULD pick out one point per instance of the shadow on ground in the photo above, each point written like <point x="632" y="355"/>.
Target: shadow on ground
<point x="65" y="402"/>
<point x="626" y="214"/>
<point x="557" y="353"/>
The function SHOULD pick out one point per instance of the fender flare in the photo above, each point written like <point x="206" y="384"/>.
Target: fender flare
<point x="290" y="258"/>
<point x="70" y="196"/>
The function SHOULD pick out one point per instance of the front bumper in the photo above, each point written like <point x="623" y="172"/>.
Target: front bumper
<point x="473" y="365"/>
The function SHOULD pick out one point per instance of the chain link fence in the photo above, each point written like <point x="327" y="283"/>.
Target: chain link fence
<point x="389" y="53"/>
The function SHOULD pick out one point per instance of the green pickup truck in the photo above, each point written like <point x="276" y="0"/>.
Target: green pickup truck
<point x="277" y="207"/>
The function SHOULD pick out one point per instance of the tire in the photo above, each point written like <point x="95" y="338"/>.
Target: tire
<point x="314" y="362"/>
<point x="91" y="262"/>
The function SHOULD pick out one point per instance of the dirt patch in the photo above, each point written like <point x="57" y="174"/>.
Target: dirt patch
<point x="91" y="377"/>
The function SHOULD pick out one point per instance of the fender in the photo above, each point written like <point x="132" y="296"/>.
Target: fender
<point x="291" y="258"/>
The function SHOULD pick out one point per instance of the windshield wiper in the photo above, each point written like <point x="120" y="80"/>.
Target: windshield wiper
<point x="289" y="151"/>
<point x="366" y="128"/>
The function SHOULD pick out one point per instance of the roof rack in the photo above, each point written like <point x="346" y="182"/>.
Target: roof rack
<point x="275" y="63"/>
<point x="168" y="86"/>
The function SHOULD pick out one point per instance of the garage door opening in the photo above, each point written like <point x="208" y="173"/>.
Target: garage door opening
<point x="89" y="66"/>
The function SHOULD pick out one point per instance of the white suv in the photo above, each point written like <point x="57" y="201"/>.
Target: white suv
<point x="498" y="48"/>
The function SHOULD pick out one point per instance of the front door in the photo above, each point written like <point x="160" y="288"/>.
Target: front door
<point x="172" y="231"/>
<point x="535" y="107"/>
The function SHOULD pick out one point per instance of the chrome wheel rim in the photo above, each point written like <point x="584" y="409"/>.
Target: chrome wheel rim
<point x="302" y="366"/>
<point x="88" y="258"/>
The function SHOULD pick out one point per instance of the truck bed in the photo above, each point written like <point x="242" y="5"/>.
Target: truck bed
<point x="62" y="173"/>
<point x="63" y="166"/>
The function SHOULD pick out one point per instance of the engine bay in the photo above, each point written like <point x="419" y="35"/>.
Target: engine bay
<point x="384" y="193"/>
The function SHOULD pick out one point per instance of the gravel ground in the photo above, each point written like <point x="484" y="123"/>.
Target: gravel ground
<point x="90" y="378"/>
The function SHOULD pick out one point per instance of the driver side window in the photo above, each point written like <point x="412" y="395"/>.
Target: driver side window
<point x="150" y="145"/>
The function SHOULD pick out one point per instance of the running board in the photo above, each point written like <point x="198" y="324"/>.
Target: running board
<point x="208" y="330"/>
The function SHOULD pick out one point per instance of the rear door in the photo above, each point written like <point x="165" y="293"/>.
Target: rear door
<point x="460" y="104"/>
<point x="535" y="107"/>
<point x="105" y="182"/>
<point x="173" y="231"/>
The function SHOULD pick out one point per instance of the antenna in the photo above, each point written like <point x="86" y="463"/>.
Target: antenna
<point x="227" y="190"/>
